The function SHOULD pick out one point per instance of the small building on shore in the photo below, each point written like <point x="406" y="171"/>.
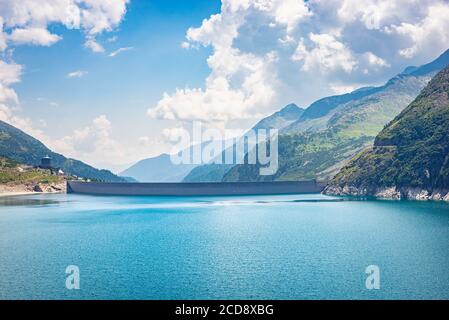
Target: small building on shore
<point x="46" y="163"/>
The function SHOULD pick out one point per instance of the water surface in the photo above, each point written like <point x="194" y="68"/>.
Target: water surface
<point x="252" y="247"/>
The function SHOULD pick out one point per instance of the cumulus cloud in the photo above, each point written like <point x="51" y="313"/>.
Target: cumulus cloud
<point x="3" y="36"/>
<point x="429" y="32"/>
<point x="91" y="142"/>
<point x="28" y="19"/>
<point x="327" y="54"/>
<point x="95" y="143"/>
<point x="266" y="53"/>
<point x="375" y="60"/>
<point x="36" y="36"/>
<point x="286" y="12"/>
<point x="374" y="14"/>
<point x="9" y="73"/>
<point x="27" y="22"/>
<point x="9" y="101"/>
<point x="240" y="84"/>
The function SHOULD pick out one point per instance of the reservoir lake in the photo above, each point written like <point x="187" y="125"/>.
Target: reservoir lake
<point x="250" y="247"/>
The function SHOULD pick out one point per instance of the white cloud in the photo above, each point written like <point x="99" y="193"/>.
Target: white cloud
<point x="327" y="54"/>
<point x="432" y="31"/>
<point x="28" y="19"/>
<point x="9" y="73"/>
<point x="94" y="46"/>
<point x="101" y="15"/>
<point x="77" y="74"/>
<point x="172" y="134"/>
<point x="9" y="101"/>
<point x="95" y="144"/>
<point x="335" y="45"/>
<point x="120" y="50"/>
<point x="36" y="36"/>
<point x="375" y="60"/>
<point x="286" y="12"/>
<point x="287" y="40"/>
<point x="266" y="53"/>
<point x="3" y="37"/>
<point x="91" y="143"/>
<point x="240" y="84"/>
<point x="8" y="115"/>
<point x="185" y="45"/>
<point x="27" y="22"/>
<point x="342" y="89"/>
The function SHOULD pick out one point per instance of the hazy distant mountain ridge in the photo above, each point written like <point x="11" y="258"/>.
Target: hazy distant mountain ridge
<point x="157" y="169"/>
<point x="278" y="120"/>
<point x="281" y="119"/>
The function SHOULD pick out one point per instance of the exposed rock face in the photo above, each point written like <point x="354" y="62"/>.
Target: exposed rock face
<point x="410" y="156"/>
<point x="333" y="190"/>
<point x="38" y="188"/>
<point x="417" y="194"/>
<point x="391" y="193"/>
<point x="50" y="188"/>
<point x="388" y="193"/>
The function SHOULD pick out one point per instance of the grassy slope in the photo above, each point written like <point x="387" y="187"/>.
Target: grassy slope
<point x="215" y="172"/>
<point x="19" y="146"/>
<point x="323" y="145"/>
<point x="412" y="150"/>
<point x="12" y="175"/>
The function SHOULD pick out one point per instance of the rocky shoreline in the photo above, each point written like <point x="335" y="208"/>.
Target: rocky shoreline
<point x="17" y="189"/>
<point x="390" y="193"/>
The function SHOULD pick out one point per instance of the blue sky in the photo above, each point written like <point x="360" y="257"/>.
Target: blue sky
<point x="124" y="86"/>
<point x="225" y="63"/>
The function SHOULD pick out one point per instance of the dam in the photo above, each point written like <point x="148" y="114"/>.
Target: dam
<point x="195" y="189"/>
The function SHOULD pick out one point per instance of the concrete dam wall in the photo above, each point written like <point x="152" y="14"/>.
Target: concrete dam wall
<point x="194" y="189"/>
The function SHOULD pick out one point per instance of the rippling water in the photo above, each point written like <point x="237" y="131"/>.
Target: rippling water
<point x="257" y="247"/>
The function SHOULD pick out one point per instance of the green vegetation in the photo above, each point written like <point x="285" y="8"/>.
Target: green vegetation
<point x="335" y="129"/>
<point x="412" y="150"/>
<point x="20" y="147"/>
<point x="13" y="173"/>
<point x="320" y="147"/>
<point x="304" y="157"/>
<point x="278" y="120"/>
<point x="208" y="173"/>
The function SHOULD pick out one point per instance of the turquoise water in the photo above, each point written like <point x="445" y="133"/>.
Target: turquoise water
<point x="264" y="247"/>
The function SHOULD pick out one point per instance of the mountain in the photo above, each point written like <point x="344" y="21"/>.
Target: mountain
<point x="157" y="169"/>
<point x="410" y="156"/>
<point x="19" y="178"/>
<point x="334" y="129"/>
<point x="323" y="106"/>
<point x="319" y="113"/>
<point x="208" y="173"/>
<point x="278" y="120"/>
<point x="21" y="147"/>
<point x="281" y="119"/>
